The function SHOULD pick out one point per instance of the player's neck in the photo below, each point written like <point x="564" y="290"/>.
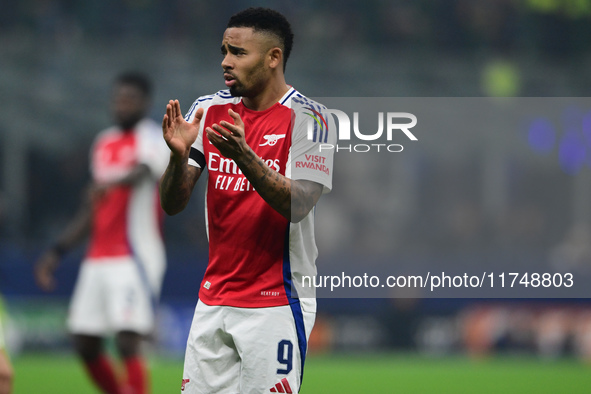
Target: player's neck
<point x="268" y="97"/>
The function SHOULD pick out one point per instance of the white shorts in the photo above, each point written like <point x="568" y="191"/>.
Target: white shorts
<point x="111" y="295"/>
<point x="247" y="350"/>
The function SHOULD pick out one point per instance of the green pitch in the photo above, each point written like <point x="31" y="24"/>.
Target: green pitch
<point x="343" y="374"/>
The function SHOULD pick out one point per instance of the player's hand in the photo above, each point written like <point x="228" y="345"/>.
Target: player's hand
<point x="96" y="192"/>
<point x="44" y="269"/>
<point x="178" y="133"/>
<point x="229" y="138"/>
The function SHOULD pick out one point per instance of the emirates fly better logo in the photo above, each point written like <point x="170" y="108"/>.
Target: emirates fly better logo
<point x="318" y="130"/>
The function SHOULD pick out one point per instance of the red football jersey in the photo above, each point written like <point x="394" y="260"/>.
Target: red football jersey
<point x="256" y="256"/>
<point x="127" y="220"/>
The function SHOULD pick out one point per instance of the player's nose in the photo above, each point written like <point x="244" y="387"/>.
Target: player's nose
<point x="226" y="64"/>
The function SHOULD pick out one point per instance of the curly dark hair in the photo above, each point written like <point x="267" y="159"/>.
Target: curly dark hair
<point x="266" y="20"/>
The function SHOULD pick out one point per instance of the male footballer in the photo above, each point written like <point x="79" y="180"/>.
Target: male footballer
<point x="252" y="320"/>
<point x="121" y="275"/>
<point x="6" y="371"/>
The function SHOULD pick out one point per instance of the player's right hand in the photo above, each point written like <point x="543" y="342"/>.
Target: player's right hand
<point x="44" y="269"/>
<point x="178" y="133"/>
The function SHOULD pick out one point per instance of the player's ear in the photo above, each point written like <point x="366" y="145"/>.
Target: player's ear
<point x="275" y="57"/>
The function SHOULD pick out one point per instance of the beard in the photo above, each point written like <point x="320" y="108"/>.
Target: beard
<point x="255" y="82"/>
<point x="128" y="122"/>
<point x="256" y="86"/>
<point x="237" y="90"/>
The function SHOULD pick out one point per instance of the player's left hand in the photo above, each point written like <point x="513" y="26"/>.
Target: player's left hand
<point x="229" y="138"/>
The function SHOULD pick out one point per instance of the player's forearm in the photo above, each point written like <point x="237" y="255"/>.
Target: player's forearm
<point x="138" y="173"/>
<point x="292" y="199"/>
<point x="76" y="231"/>
<point x="177" y="184"/>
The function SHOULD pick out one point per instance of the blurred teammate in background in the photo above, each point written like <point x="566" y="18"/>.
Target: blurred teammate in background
<point x="121" y="275"/>
<point x="6" y="372"/>
<point x="250" y="330"/>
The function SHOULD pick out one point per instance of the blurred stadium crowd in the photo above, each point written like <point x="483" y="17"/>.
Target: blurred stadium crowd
<point x="58" y="58"/>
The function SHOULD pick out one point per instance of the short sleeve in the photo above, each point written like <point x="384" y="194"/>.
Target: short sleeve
<point x="313" y="142"/>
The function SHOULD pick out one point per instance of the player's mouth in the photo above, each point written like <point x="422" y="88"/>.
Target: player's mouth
<point x="229" y="79"/>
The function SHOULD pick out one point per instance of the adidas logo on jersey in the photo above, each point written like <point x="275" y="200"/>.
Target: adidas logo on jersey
<point x="281" y="387"/>
<point x="185" y="381"/>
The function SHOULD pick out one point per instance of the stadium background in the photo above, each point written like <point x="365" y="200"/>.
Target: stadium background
<point x="58" y="59"/>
